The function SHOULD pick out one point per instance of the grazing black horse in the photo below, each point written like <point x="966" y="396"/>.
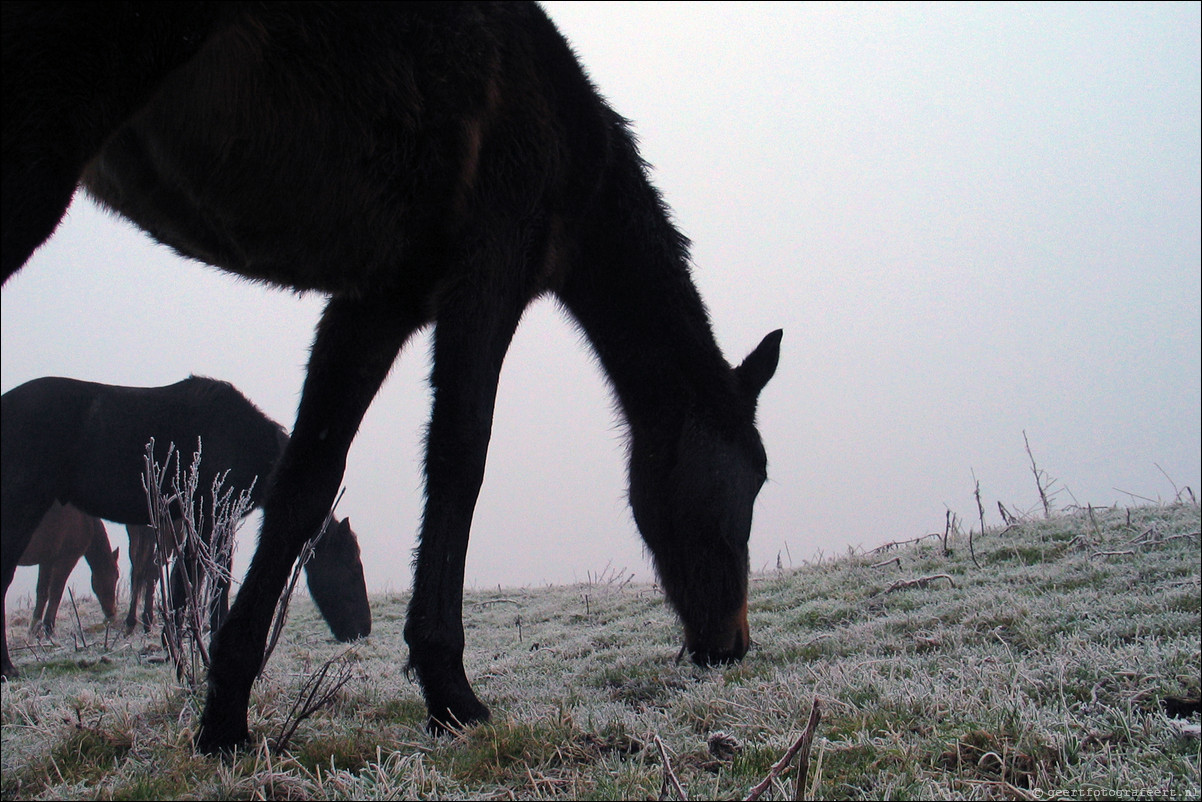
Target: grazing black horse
<point x="84" y="444"/>
<point x="434" y="163"/>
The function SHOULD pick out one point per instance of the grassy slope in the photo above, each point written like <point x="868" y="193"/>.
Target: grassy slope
<point x="1040" y="670"/>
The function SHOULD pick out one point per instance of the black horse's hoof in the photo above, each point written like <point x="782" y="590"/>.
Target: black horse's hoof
<point x="209" y="743"/>
<point x="448" y="722"/>
<point x="220" y="735"/>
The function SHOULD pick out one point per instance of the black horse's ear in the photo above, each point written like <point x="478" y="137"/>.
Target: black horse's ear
<point x="759" y="366"/>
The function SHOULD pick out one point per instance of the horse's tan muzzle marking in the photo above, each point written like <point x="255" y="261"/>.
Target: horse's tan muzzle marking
<point x="732" y="642"/>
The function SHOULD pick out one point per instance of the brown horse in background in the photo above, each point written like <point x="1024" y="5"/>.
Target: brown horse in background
<point x="64" y="535"/>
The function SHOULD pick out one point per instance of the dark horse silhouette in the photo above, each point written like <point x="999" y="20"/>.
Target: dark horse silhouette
<point x="84" y="444"/>
<point x="63" y="536"/>
<point x="146" y="555"/>
<point x="440" y="163"/>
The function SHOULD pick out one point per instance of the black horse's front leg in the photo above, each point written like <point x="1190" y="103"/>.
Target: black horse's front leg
<point x="357" y="342"/>
<point x="472" y="334"/>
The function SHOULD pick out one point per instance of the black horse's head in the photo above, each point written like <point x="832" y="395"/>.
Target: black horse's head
<point x="692" y="497"/>
<point x="335" y="576"/>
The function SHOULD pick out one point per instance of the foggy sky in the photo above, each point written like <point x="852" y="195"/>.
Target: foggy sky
<point x="969" y="220"/>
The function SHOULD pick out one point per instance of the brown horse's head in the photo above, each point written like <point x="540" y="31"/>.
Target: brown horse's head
<point x="105" y="573"/>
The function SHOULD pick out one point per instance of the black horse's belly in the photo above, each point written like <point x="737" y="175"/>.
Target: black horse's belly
<point x="258" y="166"/>
<point x="288" y="236"/>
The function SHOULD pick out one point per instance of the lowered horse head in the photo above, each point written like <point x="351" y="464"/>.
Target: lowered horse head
<point x="335" y="576"/>
<point x="693" y="500"/>
<point x="105" y="573"/>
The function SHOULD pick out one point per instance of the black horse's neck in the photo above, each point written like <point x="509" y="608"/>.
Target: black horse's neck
<point x="631" y="291"/>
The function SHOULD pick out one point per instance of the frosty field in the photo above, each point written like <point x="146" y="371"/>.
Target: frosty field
<point x="1034" y="665"/>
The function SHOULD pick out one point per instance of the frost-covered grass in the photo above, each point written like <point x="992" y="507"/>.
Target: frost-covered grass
<point x="1034" y="672"/>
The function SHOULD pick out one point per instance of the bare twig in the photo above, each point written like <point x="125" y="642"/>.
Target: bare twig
<point x="919" y="582"/>
<point x="1146" y="536"/>
<point x="951" y="524"/>
<point x="203" y="552"/>
<point x="1137" y="496"/>
<point x="609" y="577"/>
<point x="1184" y="534"/>
<point x="803" y="753"/>
<point x="1094" y="522"/>
<point x="490" y="602"/>
<point x="1176" y="492"/>
<point x="897" y="543"/>
<point x="981" y="511"/>
<point x="887" y="562"/>
<point x="1013" y="791"/>
<point x="319" y="690"/>
<point x="1039" y="479"/>
<point x="1149" y="538"/>
<point x="801" y="745"/>
<point x="31" y="646"/>
<point x="1078" y="540"/>
<point x="670" y="779"/>
<point x="79" y="624"/>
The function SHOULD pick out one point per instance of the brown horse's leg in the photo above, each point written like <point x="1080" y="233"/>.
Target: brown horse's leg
<point x="357" y="342"/>
<point x="59" y="573"/>
<point x="41" y="595"/>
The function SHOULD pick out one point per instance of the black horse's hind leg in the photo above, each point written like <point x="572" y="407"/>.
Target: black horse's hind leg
<point x="472" y="334"/>
<point x="41" y="600"/>
<point x="357" y="342"/>
<point x="20" y="514"/>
